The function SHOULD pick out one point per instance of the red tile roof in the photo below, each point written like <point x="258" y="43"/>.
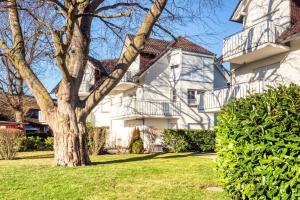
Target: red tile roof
<point x="155" y="49"/>
<point x="152" y="46"/>
<point x="156" y="46"/>
<point x="187" y="45"/>
<point x="295" y="29"/>
<point x="152" y="51"/>
<point x="295" y="20"/>
<point x="159" y="47"/>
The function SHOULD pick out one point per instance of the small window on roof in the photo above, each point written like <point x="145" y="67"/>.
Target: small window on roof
<point x="174" y="66"/>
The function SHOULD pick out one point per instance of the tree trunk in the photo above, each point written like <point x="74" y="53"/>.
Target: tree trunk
<point x="19" y="118"/>
<point x="71" y="144"/>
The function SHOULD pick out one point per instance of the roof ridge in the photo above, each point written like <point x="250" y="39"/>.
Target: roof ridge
<point x="150" y="38"/>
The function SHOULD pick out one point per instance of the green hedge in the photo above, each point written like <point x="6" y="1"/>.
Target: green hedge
<point x="35" y="144"/>
<point x="183" y="140"/>
<point x="258" y="145"/>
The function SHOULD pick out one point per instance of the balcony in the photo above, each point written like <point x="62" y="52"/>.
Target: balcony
<point x="133" y="108"/>
<point x="126" y="82"/>
<point x="213" y="101"/>
<point x="254" y="43"/>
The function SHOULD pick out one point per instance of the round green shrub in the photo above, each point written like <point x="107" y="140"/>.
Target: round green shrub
<point x="136" y="145"/>
<point x="258" y="145"/>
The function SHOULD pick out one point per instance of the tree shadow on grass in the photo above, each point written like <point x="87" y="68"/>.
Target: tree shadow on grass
<point x="135" y="159"/>
<point x="35" y="157"/>
<point x="181" y="155"/>
<point x="143" y="158"/>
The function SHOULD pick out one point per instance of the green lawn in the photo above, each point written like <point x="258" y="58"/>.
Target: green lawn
<point x="165" y="176"/>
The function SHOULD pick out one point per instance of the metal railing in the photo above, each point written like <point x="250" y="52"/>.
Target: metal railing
<point x="217" y="98"/>
<point x="128" y="76"/>
<point x="128" y="107"/>
<point x="251" y="38"/>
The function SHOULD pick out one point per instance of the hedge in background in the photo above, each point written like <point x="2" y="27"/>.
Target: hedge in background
<point x="35" y="144"/>
<point x="258" y="145"/>
<point x="97" y="140"/>
<point x="9" y="143"/>
<point x="189" y="140"/>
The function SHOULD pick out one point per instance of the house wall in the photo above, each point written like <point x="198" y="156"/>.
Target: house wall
<point x="121" y="132"/>
<point x="220" y="78"/>
<point x="284" y="67"/>
<point x="194" y="71"/>
<point x="278" y="11"/>
<point x="88" y="79"/>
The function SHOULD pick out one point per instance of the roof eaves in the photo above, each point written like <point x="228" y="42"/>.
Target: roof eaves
<point x="234" y="13"/>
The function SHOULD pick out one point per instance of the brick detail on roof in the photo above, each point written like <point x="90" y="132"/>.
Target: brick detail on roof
<point x="295" y="11"/>
<point x="295" y="29"/>
<point x="295" y="21"/>
<point x="156" y="48"/>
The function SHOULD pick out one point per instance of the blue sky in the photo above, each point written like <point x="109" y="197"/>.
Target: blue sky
<point x="209" y="36"/>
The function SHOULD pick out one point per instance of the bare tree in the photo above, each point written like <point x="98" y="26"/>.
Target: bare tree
<point x="13" y="98"/>
<point x="71" y="36"/>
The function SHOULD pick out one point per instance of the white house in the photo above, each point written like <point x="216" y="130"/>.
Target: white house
<point x="265" y="52"/>
<point x="162" y="89"/>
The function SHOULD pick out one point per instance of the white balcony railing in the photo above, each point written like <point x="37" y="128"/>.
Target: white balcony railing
<point x="133" y="107"/>
<point x="128" y="76"/>
<point x="215" y="100"/>
<point x="251" y="38"/>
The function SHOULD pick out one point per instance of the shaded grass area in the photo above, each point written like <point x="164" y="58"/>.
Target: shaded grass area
<point x="152" y="176"/>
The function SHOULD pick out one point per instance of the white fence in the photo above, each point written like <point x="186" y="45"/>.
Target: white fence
<point x="251" y="38"/>
<point x="129" y="107"/>
<point x="128" y="76"/>
<point x="214" y="100"/>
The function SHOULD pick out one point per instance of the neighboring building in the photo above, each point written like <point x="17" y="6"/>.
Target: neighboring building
<point x="10" y="125"/>
<point x="32" y="118"/>
<point x="162" y="89"/>
<point x="265" y="52"/>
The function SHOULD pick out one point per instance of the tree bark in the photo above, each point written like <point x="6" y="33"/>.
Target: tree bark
<point x="70" y="142"/>
<point x="19" y="118"/>
<point x="67" y="117"/>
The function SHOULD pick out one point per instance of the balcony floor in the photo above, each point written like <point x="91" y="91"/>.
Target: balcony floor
<point x="123" y="86"/>
<point x="261" y="52"/>
<point x="137" y="116"/>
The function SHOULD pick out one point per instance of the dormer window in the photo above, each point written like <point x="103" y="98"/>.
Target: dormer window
<point x="174" y="66"/>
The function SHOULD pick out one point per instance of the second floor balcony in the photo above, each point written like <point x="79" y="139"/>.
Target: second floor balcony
<point x="134" y="108"/>
<point x="213" y="101"/>
<point x="254" y="43"/>
<point x="126" y="82"/>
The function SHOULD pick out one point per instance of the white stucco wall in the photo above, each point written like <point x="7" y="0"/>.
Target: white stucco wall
<point x="88" y="79"/>
<point x="284" y="67"/>
<point x="194" y="71"/>
<point x="261" y="10"/>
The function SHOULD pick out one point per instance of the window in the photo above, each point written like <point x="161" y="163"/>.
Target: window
<point x="174" y="95"/>
<point x="192" y="97"/>
<point x="174" y="66"/>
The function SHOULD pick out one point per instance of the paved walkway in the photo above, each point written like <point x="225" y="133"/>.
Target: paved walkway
<point x="212" y="156"/>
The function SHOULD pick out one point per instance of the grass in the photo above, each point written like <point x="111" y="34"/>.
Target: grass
<point x="165" y="176"/>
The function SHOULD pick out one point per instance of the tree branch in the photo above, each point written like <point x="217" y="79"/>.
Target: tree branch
<point x="126" y="58"/>
<point x="43" y="98"/>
